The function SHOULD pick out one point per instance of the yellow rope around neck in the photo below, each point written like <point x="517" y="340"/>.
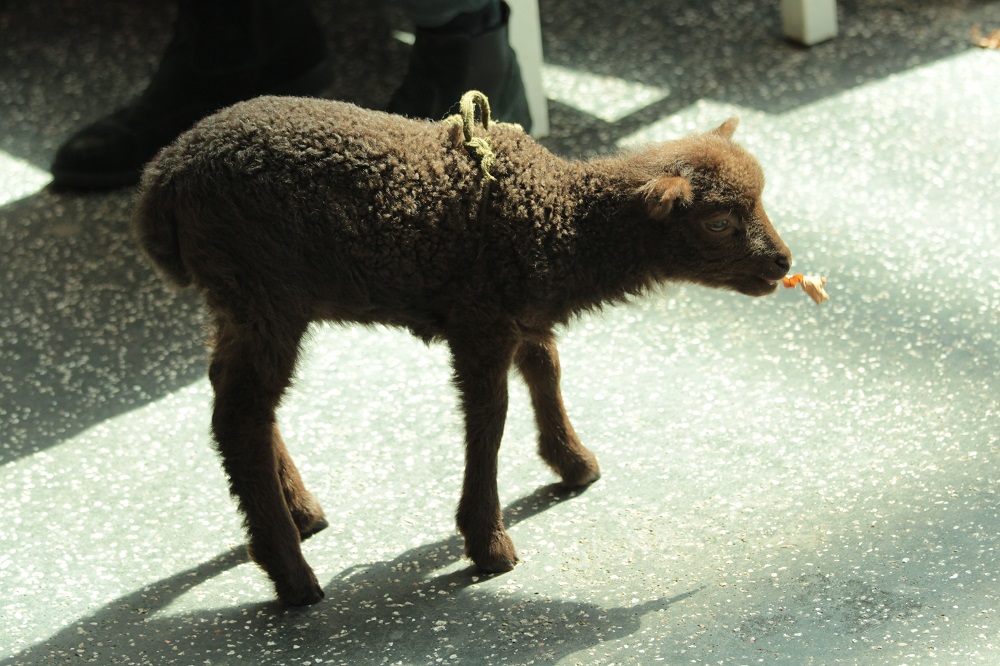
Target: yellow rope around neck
<point x="479" y="146"/>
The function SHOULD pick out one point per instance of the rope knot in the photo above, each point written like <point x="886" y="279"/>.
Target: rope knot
<point x="479" y="146"/>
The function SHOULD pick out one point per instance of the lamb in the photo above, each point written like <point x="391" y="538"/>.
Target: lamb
<point x="285" y="211"/>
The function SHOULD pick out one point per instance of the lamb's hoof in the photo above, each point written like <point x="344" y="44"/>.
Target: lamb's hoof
<point x="497" y="557"/>
<point x="317" y="526"/>
<point x="581" y="477"/>
<point x="305" y="594"/>
<point x="302" y="597"/>
<point x="496" y="566"/>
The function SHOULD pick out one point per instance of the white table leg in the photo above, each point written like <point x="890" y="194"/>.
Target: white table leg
<point x="525" y="33"/>
<point x="809" y="21"/>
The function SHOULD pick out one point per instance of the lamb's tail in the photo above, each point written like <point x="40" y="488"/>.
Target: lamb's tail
<point x="155" y="226"/>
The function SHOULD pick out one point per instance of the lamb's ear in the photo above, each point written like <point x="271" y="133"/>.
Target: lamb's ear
<point x="728" y="128"/>
<point x="660" y="195"/>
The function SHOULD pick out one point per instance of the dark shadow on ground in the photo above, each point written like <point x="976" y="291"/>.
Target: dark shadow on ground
<point x="399" y="609"/>
<point x="735" y="53"/>
<point x="729" y="51"/>
<point x="81" y="312"/>
<point x="88" y="330"/>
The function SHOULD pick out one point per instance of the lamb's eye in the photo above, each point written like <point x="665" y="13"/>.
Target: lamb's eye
<point x="715" y="226"/>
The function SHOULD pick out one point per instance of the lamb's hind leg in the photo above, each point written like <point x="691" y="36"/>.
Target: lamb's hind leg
<point x="558" y="445"/>
<point x="250" y="370"/>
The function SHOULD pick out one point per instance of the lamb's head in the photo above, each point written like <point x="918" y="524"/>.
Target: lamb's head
<point x="703" y="193"/>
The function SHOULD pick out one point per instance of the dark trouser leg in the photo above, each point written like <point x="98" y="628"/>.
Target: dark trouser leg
<point x="449" y="60"/>
<point x="222" y="52"/>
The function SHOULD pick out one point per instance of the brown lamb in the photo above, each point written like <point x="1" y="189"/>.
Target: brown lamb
<point x="284" y="211"/>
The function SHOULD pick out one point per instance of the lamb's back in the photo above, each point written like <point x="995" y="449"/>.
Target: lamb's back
<point x="340" y="191"/>
<point x="290" y="149"/>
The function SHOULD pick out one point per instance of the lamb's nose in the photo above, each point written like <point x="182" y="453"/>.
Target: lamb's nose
<point x="783" y="262"/>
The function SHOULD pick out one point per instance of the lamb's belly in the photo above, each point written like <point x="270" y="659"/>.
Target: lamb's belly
<point x="424" y="323"/>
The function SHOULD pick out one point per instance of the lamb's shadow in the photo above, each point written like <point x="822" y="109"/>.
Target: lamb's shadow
<point x="400" y="609"/>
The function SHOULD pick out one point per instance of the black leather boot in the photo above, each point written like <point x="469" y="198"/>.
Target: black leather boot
<point x="222" y="52"/>
<point x="445" y="66"/>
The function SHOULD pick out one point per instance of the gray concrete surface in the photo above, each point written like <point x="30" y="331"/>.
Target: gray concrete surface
<point x="783" y="483"/>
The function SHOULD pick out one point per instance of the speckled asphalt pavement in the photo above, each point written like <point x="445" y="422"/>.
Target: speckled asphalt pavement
<point x="783" y="483"/>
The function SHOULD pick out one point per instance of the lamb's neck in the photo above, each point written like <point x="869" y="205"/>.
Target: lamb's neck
<point x="610" y="249"/>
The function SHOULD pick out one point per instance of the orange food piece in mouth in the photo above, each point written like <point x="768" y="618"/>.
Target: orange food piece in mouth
<point x="811" y="284"/>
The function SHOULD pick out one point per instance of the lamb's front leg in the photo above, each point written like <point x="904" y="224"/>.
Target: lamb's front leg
<point x="481" y="364"/>
<point x="558" y="445"/>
